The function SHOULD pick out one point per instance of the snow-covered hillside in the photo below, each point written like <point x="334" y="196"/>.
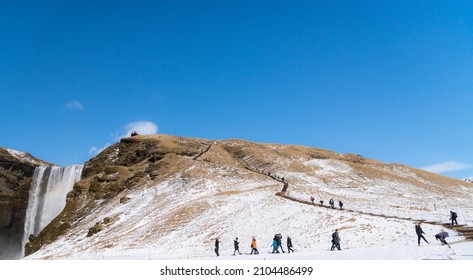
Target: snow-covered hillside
<point x="222" y="195"/>
<point x="469" y="179"/>
<point x="22" y="156"/>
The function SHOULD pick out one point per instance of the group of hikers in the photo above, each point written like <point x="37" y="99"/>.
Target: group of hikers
<point x="331" y="202"/>
<point x="277" y="240"/>
<point x="439" y="236"/>
<point x="276" y="245"/>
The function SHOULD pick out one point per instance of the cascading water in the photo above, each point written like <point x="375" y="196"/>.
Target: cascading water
<point x="48" y="194"/>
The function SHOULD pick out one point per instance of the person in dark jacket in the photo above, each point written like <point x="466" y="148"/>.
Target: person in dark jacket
<point x="340" y="203"/>
<point x="217" y="243"/>
<point x="279" y="240"/>
<point x="332" y="204"/>
<point x="289" y="245"/>
<point x="420" y="233"/>
<point x="236" y="244"/>
<point x="441" y="236"/>
<point x="335" y="241"/>
<point x="453" y="217"/>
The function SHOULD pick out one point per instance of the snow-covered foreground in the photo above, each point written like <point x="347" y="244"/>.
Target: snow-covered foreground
<point x="396" y="262"/>
<point x="434" y="251"/>
<point x="175" y="220"/>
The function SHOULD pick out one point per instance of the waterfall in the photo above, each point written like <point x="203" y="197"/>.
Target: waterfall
<point x="47" y="197"/>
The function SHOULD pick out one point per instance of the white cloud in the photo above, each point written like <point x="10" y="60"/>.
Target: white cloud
<point x="97" y="150"/>
<point x="75" y="105"/>
<point x="142" y="127"/>
<point x="447" y="166"/>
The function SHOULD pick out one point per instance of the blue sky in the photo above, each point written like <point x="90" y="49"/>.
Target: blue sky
<point x="389" y="80"/>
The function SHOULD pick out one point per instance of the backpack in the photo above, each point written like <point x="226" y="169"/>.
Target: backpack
<point x="454" y="215"/>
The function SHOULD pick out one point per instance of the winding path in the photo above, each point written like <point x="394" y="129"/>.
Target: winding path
<point x="203" y="151"/>
<point x="464" y="230"/>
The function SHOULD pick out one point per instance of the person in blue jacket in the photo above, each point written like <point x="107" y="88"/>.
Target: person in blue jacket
<point x="275" y="246"/>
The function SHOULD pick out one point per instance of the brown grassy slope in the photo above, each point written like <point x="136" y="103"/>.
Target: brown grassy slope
<point x="284" y="158"/>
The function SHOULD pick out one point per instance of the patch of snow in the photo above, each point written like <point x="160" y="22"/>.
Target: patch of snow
<point x="24" y="157"/>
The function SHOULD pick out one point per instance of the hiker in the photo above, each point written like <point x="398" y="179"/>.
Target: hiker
<point x="312" y="199"/>
<point x="321" y="203"/>
<point x="279" y="240"/>
<point x="420" y="233"/>
<point x="332" y="204"/>
<point x="253" y="246"/>
<point x="453" y="217"/>
<point x="289" y="245"/>
<point x="236" y="244"/>
<point x="275" y="246"/>
<point x="216" y="246"/>
<point x="340" y="203"/>
<point x="441" y="236"/>
<point x="335" y="241"/>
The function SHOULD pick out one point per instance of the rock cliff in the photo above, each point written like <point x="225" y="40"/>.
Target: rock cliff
<point x="16" y="173"/>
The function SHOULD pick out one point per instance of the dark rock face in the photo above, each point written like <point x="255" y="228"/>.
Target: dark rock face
<point x="16" y="174"/>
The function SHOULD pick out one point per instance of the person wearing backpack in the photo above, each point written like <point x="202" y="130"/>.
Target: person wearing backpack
<point x="453" y="217"/>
